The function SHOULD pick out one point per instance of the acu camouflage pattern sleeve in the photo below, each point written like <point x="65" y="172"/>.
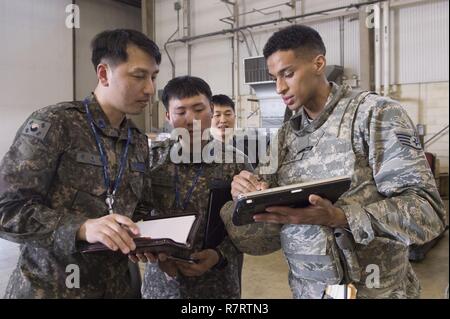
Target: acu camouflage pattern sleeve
<point x="257" y="238"/>
<point x="253" y="239"/>
<point x="412" y="210"/>
<point x="26" y="174"/>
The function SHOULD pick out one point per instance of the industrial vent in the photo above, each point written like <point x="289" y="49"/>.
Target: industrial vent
<point x="255" y="70"/>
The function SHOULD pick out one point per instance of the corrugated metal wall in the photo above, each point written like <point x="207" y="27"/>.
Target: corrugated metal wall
<point x="330" y="32"/>
<point x="419" y="43"/>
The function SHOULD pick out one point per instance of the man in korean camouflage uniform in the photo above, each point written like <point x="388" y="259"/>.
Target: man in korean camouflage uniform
<point x="52" y="190"/>
<point x="392" y="201"/>
<point x="217" y="271"/>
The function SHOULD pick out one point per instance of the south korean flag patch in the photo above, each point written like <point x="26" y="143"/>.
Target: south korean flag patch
<point x="36" y="128"/>
<point x="408" y="138"/>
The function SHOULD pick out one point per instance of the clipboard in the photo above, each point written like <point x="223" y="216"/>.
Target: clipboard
<point x="295" y="196"/>
<point x="173" y="235"/>
<point x="215" y="233"/>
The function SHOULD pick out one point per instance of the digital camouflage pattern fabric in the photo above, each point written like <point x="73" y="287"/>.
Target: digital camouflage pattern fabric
<point x="224" y="283"/>
<point x="51" y="182"/>
<point x="392" y="202"/>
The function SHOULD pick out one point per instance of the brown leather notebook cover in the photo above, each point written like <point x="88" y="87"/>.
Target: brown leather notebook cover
<point x="155" y="245"/>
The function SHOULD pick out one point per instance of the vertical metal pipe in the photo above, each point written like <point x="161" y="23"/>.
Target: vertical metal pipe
<point x="341" y="40"/>
<point x="386" y="49"/>
<point x="377" y="39"/>
<point x="187" y="33"/>
<point x="236" y="68"/>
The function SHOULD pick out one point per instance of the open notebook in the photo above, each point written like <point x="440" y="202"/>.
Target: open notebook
<point x="173" y="235"/>
<point x="173" y="228"/>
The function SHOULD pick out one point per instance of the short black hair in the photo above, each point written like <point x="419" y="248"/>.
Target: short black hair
<point x="111" y="45"/>
<point x="222" y="99"/>
<point x="184" y="86"/>
<point x="295" y="37"/>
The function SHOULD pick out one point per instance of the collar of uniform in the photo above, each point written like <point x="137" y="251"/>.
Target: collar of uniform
<point x="300" y="123"/>
<point x="102" y="123"/>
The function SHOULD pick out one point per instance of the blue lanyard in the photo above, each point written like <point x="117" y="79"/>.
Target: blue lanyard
<point x="111" y="193"/>
<point x="188" y="196"/>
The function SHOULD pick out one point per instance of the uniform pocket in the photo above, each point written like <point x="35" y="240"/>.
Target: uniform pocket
<point x="311" y="254"/>
<point x="163" y="191"/>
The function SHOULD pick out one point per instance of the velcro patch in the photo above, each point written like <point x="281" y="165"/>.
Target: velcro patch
<point x="36" y="128"/>
<point x="409" y="139"/>
<point x="87" y="158"/>
<point x="138" y="166"/>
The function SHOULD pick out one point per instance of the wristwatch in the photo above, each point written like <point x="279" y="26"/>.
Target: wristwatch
<point x="222" y="263"/>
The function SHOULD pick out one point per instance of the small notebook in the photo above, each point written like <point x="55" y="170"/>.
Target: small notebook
<point x="174" y="228"/>
<point x="173" y="235"/>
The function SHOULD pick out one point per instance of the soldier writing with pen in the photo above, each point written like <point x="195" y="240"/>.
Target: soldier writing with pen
<point x="77" y="172"/>
<point x="392" y="202"/>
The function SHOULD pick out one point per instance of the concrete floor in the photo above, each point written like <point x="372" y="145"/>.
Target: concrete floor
<point x="265" y="277"/>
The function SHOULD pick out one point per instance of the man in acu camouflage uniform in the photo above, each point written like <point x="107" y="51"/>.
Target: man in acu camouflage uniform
<point x="52" y="186"/>
<point x="392" y="201"/>
<point x="184" y="187"/>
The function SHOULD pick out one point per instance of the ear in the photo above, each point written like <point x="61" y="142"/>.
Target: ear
<point x="167" y="116"/>
<point x="320" y="62"/>
<point x="102" y="74"/>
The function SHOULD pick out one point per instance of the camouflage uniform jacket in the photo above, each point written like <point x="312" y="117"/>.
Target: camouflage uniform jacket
<point x="215" y="283"/>
<point x="392" y="202"/>
<point x="51" y="182"/>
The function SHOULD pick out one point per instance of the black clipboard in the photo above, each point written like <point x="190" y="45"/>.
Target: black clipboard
<point x="177" y="250"/>
<point x="295" y="195"/>
<point x="215" y="232"/>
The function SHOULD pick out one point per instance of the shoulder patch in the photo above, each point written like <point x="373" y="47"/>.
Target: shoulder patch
<point x="408" y="138"/>
<point x="36" y="128"/>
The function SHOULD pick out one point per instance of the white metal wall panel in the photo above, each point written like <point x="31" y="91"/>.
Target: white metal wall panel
<point x="329" y="32"/>
<point x="97" y="16"/>
<point x="351" y="47"/>
<point x="419" y="43"/>
<point x="35" y="60"/>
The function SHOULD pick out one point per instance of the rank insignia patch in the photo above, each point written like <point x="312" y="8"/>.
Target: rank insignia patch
<point x="409" y="139"/>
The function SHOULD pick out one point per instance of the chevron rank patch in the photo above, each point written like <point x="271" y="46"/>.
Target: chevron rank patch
<point x="36" y="128"/>
<point x="409" y="139"/>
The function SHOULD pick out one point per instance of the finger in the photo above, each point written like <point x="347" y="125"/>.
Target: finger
<point x="105" y="240"/>
<point x="133" y="258"/>
<point x="127" y="222"/>
<point x="169" y="268"/>
<point x="244" y="185"/>
<point x="124" y="235"/>
<point x="281" y="210"/>
<point x="319" y="201"/>
<point x="188" y="269"/>
<point x="162" y="257"/>
<point x="273" y="218"/>
<point x="245" y="174"/>
<point x="253" y="181"/>
<point x="141" y="258"/>
<point x="200" y="255"/>
<point x="152" y="258"/>
<point x="264" y="185"/>
<point x="116" y="239"/>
